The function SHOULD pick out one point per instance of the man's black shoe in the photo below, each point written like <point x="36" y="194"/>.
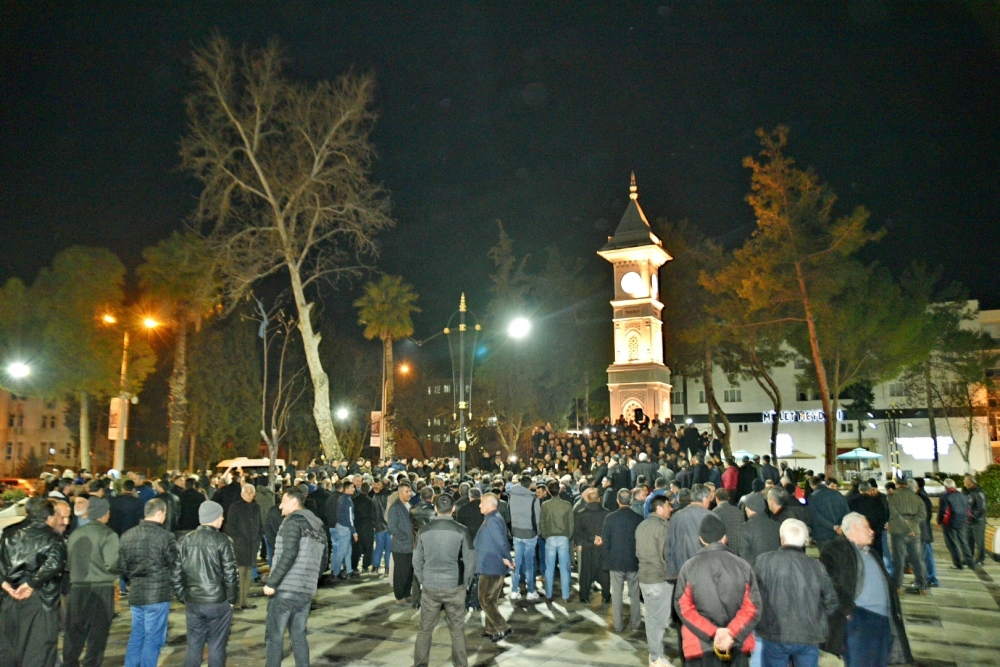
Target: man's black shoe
<point x="933" y="584"/>
<point x="500" y="637"/>
<point x="249" y="606"/>
<point x="355" y="574"/>
<point x="342" y="576"/>
<point x="955" y="567"/>
<point x="484" y="633"/>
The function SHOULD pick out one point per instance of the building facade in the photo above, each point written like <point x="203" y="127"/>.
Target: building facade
<point x="34" y="426"/>
<point x="898" y="427"/>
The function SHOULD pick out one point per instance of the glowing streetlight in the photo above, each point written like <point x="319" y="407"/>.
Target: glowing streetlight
<point x="18" y="370"/>
<point x="108" y="318"/>
<point x="519" y="328"/>
<point x="150" y="323"/>
<point x="404" y="368"/>
<point x="343" y="413"/>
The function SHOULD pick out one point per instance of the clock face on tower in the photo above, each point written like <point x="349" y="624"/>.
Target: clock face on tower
<point x="632" y="283"/>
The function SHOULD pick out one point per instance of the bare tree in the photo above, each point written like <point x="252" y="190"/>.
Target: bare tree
<point x="280" y="396"/>
<point x="285" y="172"/>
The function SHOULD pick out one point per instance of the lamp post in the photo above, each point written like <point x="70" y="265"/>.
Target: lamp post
<point x="124" y="396"/>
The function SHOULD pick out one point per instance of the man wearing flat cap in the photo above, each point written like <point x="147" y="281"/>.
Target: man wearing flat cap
<point x="208" y="586"/>
<point x="93" y="571"/>
<point x="718" y="602"/>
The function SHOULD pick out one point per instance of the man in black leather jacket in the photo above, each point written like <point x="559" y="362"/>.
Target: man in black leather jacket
<point x="148" y="562"/>
<point x="32" y="560"/>
<point x="208" y="586"/>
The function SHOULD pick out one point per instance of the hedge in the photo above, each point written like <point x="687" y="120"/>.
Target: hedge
<point x="989" y="480"/>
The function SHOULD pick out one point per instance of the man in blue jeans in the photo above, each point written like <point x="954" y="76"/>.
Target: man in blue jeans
<point x="345" y="533"/>
<point x="298" y="557"/>
<point x="148" y="560"/>
<point x="525" y="517"/>
<point x="557" y="527"/>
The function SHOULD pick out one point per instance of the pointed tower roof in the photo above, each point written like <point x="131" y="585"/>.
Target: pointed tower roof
<point x="633" y="230"/>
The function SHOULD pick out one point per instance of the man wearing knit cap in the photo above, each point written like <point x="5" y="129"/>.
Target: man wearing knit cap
<point x="208" y="586"/>
<point x="759" y="534"/>
<point x="93" y="567"/>
<point x="717" y="600"/>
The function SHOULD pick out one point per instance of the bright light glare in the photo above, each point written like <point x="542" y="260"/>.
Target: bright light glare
<point x="343" y="413"/>
<point x="404" y="369"/>
<point x="18" y="370"/>
<point x="688" y="421"/>
<point x="109" y="319"/>
<point x="150" y="323"/>
<point x="519" y="328"/>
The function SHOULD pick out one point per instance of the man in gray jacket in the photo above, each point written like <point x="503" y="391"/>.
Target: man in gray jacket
<point x="525" y="517"/>
<point x="93" y="571"/>
<point x="651" y="539"/>
<point x="443" y="549"/>
<point x="401" y="530"/>
<point x="298" y="561"/>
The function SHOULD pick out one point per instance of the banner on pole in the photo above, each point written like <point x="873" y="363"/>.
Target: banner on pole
<point x="118" y="416"/>
<point x="376" y="441"/>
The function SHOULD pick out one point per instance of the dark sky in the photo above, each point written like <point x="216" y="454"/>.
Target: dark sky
<point x="531" y="113"/>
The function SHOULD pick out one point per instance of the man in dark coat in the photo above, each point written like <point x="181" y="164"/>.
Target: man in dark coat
<point x="620" y="561"/>
<point x="364" y="523"/>
<point x="243" y="525"/>
<point x="759" y="534"/>
<point x="588" y="527"/>
<point x="868" y="503"/>
<point x="745" y="478"/>
<point x="867" y="627"/>
<point x="126" y="510"/>
<point x="469" y="515"/>
<point x="191" y="499"/>
<point x="952" y="516"/>
<point x="826" y="510"/>
<point x="230" y="493"/>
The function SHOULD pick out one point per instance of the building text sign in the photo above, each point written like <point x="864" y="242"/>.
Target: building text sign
<point x="798" y="416"/>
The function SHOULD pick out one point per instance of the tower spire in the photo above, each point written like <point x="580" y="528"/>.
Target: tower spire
<point x="633" y="190"/>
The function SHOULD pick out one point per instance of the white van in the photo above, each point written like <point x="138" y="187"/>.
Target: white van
<point x="248" y="465"/>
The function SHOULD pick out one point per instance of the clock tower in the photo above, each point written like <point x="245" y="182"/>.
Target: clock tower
<point x="637" y="379"/>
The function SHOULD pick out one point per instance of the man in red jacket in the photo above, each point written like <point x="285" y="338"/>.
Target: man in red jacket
<point x="717" y="600"/>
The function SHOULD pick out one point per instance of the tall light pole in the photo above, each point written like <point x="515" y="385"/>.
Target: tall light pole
<point x="124" y="396"/>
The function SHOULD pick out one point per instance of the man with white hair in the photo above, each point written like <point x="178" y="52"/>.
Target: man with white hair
<point x="952" y="516"/>
<point x="906" y="515"/>
<point x="643" y="469"/>
<point x="791" y="581"/>
<point x="245" y="526"/>
<point x="867" y="627"/>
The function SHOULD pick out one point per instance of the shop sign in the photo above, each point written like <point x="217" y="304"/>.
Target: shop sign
<point x="798" y="416"/>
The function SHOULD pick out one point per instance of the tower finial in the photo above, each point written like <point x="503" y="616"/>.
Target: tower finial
<point x="633" y="190"/>
<point x="461" y="304"/>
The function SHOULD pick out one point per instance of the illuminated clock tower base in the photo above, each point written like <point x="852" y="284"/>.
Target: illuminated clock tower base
<point x="638" y="379"/>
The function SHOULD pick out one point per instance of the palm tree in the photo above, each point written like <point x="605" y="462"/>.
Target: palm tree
<point x="384" y="310"/>
<point x="177" y="272"/>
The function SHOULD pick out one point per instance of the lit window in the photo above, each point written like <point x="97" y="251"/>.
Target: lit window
<point x="437" y="389"/>
<point x="437" y="421"/>
<point x="633" y="347"/>
<point x="437" y="438"/>
<point x="429" y="391"/>
<point x="447" y="389"/>
<point x="732" y="396"/>
<point x="897" y="390"/>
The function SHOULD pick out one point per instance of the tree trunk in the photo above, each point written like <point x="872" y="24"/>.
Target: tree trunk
<point x="388" y="411"/>
<point x="85" y="460"/>
<point x="824" y="388"/>
<point x="928" y="388"/>
<point x="320" y="381"/>
<point x="177" y="406"/>
<point x="770" y="388"/>
<point x="723" y="434"/>
<point x="191" y="448"/>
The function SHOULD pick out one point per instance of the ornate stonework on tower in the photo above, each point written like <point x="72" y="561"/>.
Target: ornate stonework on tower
<point x="637" y="378"/>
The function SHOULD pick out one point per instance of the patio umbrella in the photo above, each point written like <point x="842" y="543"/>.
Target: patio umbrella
<point x="740" y="453"/>
<point x="858" y="454"/>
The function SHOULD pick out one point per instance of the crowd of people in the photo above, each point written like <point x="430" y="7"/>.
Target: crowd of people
<point x="711" y="549"/>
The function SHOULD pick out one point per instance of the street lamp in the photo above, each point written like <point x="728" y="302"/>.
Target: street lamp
<point x="119" y="405"/>
<point x="519" y="328"/>
<point x="343" y="414"/>
<point x="18" y="370"/>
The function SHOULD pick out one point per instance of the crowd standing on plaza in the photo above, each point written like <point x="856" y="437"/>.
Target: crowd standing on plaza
<point x="712" y="550"/>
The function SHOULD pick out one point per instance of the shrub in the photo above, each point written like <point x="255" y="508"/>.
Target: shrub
<point x="11" y="496"/>
<point x="989" y="480"/>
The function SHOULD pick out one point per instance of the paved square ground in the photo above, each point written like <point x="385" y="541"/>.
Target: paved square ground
<point x="357" y="624"/>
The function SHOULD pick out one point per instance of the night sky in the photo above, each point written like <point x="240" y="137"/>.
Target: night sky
<point x="532" y="113"/>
